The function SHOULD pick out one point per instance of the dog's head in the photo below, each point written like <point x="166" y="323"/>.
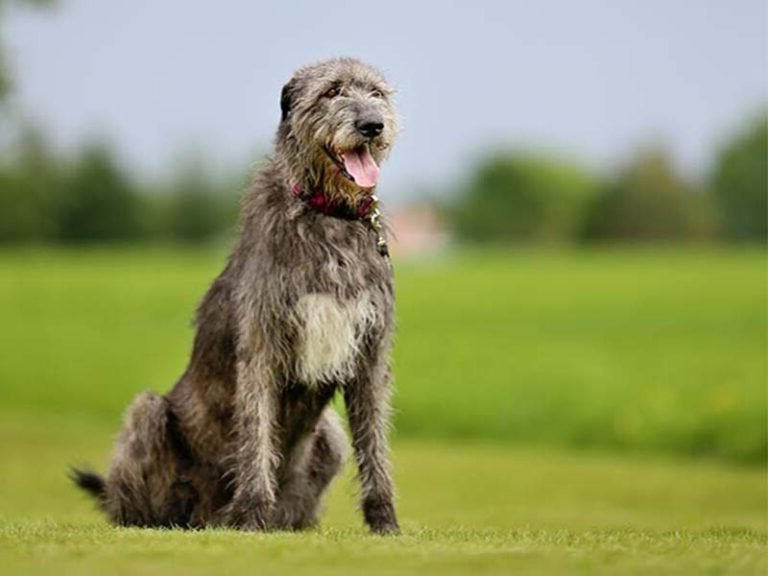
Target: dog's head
<point x="338" y="124"/>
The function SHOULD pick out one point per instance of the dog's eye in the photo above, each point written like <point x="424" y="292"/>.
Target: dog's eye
<point x="332" y="92"/>
<point x="377" y="93"/>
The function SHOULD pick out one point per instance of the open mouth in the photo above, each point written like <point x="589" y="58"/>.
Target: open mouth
<point x="356" y="165"/>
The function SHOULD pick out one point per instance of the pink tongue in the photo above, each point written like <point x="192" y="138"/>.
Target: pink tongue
<point x="361" y="165"/>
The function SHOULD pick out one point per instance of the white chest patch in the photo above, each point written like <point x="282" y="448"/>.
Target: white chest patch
<point x="330" y="332"/>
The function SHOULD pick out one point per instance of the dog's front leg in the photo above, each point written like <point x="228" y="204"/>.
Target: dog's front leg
<point x="255" y="455"/>
<point x="367" y="402"/>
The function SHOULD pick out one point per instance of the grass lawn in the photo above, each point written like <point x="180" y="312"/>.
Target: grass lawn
<point x="592" y="412"/>
<point x="642" y="350"/>
<point x="465" y="508"/>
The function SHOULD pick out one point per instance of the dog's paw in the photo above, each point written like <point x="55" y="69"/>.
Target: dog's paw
<point x="253" y="525"/>
<point x="386" y="529"/>
<point x="380" y="516"/>
<point x="250" y="518"/>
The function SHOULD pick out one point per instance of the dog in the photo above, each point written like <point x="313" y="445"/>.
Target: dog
<point x="303" y="309"/>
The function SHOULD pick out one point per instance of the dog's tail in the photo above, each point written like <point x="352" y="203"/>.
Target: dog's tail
<point x="90" y="482"/>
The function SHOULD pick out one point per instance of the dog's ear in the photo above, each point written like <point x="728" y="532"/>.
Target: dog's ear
<point x="286" y="99"/>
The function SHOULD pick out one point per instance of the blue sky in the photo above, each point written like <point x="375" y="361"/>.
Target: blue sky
<point x="591" y="79"/>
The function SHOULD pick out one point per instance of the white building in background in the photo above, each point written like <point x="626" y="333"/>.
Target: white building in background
<point x="417" y="230"/>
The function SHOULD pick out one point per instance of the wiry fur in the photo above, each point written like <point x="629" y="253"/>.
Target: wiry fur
<point x="303" y="308"/>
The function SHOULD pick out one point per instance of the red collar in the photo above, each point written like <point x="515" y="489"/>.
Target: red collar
<point x="335" y="207"/>
<point x="366" y="210"/>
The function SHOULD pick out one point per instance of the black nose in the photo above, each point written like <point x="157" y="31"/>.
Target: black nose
<point x="369" y="127"/>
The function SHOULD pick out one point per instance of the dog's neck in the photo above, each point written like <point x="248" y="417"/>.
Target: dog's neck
<point x="367" y="210"/>
<point x="335" y="205"/>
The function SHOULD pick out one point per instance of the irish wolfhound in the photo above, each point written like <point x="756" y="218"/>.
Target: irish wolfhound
<point x="303" y="309"/>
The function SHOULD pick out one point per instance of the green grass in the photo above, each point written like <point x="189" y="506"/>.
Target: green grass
<point x="465" y="508"/>
<point x="649" y="351"/>
<point x="504" y="363"/>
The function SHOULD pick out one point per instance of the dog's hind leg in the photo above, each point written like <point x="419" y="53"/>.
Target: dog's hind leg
<point x="309" y="473"/>
<point x="143" y="487"/>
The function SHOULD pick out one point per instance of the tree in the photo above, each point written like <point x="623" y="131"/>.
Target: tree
<point x="523" y="198"/>
<point x="740" y="184"/>
<point x="30" y="183"/>
<point x="99" y="201"/>
<point x="197" y="209"/>
<point x="647" y="201"/>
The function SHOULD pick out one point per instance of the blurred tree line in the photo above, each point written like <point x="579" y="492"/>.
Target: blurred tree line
<point x="90" y="197"/>
<point x="521" y="198"/>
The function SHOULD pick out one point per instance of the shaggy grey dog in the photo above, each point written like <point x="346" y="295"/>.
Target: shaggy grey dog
<point x="303" y="309"/>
